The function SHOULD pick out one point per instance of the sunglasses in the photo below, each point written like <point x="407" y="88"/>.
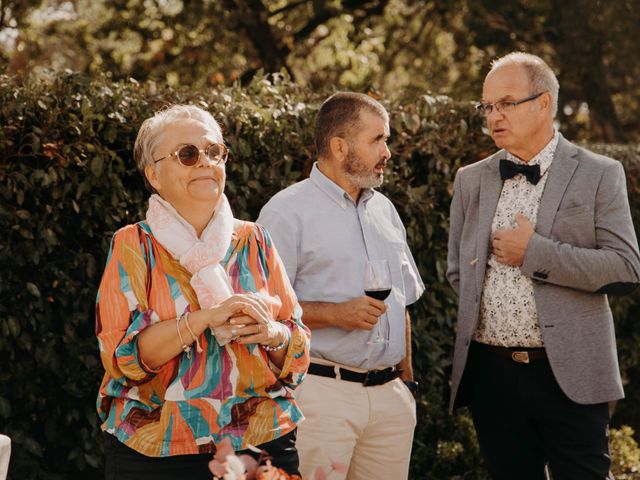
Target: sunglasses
<point x="188" y="155"/>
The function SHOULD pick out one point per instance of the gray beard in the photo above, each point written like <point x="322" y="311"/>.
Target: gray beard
<point x="358" y="175"/>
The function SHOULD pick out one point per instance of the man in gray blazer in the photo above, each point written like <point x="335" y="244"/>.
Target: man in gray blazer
<point x="540" y="233"/>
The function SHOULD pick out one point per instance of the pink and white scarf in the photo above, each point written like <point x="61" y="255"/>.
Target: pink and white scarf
<point x="200" y="256"/>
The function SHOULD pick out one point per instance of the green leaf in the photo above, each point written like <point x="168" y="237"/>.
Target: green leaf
<point x="33" y="289"/>
<point x="5" y="408"/>
<point x="14" y="327"/>
<point x="85" y="108"/>
<point x="33" y="447"/>
<point x="96" y="165"/>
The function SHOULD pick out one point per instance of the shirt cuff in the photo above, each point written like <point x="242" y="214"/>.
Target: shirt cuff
<point x="297" y="358"/>
<point x="127" y="353"/>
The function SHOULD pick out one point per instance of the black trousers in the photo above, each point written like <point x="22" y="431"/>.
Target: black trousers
<point x="124" y="463"/>
<point x="524" y="421"/>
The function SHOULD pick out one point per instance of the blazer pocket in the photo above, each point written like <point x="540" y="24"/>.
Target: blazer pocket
<point x="599" y="311"/>
<point x="573" y="211"/>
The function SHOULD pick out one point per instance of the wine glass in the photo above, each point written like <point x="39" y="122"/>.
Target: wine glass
<point x="377" y="284"/>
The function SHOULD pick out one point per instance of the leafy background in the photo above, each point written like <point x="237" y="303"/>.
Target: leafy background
<point x="77" y="77"/>
<point x="392" y="46"/>
<point x="67" y="182"/>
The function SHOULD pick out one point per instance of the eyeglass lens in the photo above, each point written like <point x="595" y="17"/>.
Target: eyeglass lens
<point x="189" y="154"/>
<point x="487" y="108"/>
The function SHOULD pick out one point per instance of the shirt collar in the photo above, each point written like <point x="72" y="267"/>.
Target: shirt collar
<point x="543" y="158"/>
<point x="335" y="192"/>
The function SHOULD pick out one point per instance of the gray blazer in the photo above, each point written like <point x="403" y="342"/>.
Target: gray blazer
<point x="584" y="247"/>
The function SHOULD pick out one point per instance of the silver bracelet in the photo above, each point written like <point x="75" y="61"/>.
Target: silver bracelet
<point x="282" y="344"/>
<point x="186" y="348"/>
<point x="276" y="348"/>
<point x="193" y="335"/>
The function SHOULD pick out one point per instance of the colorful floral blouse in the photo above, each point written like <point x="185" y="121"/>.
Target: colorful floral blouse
<point x="189" y="405"/>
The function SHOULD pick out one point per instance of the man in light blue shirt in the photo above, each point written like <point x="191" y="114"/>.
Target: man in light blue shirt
<point x="360" y="416"/>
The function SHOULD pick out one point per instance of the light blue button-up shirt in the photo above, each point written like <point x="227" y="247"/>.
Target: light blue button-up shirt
<point x="324" y="240"/>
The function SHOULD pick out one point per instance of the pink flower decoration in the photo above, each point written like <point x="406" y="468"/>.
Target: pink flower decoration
<point x="319" y="474"/>
<point x="339" y="467"/>
<point x="226" y="465"/>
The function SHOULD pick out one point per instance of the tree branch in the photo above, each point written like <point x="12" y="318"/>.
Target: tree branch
<point x="287" y="7"/>
<point x="1" y="14"/>
<point x="348" y="6"/>
<point x="253" y="18"/>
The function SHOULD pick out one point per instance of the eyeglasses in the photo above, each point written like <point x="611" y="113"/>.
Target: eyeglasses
<point x="188" y="155"/>
<point x="504" y="106"/>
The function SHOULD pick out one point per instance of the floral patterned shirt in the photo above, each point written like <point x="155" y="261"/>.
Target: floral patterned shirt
<point x="508" y="315"/>
<point x="189" y="405"/>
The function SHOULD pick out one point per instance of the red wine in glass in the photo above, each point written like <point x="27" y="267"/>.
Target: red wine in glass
<point x="378" y="293"/>
<point x="377" y="284"/>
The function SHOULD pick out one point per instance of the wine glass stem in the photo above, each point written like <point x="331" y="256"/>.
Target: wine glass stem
<point x="379" y="336"/>
<point x="378" y="327"/>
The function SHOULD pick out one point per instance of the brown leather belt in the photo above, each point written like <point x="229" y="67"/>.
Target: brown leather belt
<point x="368" y="379"/>
<point x="517" y="354"/>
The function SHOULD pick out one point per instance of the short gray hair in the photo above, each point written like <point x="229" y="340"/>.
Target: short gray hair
<point x="541" y="77"/>
<point x="339" y="116"/>
<point x="151" y="130"/>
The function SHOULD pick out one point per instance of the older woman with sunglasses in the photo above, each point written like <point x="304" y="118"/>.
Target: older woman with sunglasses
<point x="200" y="332"/>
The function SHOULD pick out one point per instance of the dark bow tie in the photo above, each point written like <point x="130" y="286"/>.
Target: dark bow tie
<point x="509" y="169"/>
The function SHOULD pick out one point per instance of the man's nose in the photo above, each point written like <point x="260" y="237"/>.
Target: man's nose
<point x="386" y="153"/>
<point x="494" y="113"/>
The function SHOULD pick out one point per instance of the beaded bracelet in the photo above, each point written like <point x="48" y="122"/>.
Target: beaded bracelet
<point x="186" y="322"/>
<point x="185" y="347"/>
<point x="278" y="347"/>
<point x="282" y="344"/>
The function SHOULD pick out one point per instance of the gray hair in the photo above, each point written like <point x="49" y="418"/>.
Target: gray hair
<point x="339" y="116"/>
<point x="541" y="77"/>
<point x="151" y="130"/>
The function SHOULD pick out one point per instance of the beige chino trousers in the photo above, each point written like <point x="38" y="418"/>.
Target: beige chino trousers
<point x="355" y="432"/>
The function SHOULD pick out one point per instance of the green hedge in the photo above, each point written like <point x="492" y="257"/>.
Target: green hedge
<point x="67" y="182"/>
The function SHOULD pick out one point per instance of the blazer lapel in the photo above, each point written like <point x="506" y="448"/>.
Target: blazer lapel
<point x="560" y="173"/>
<point x="490" y="189"/>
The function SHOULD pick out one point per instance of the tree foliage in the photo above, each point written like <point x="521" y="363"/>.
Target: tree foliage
<point x="68" y="181"/>
<point x="397" y="47"/>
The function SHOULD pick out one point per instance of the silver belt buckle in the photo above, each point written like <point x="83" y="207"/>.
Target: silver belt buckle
<point x="520" y="357"/>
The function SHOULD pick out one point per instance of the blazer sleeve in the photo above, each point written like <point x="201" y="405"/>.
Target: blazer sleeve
<point x="613" y="267"/>
<point x="456" y="222"/>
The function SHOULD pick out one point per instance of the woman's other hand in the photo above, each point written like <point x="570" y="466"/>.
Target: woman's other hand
<point x="247" y="305"/>
<point x="255" y="324"/>
<point x="270" y="333"/>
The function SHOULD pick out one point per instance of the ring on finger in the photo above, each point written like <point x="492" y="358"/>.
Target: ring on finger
<point x="234" y="331"/>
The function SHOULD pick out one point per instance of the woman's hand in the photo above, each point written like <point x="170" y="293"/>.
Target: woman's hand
<point x="256" y="325"/>
<point x="246" y="306"/>
<point x="250" y="330"/>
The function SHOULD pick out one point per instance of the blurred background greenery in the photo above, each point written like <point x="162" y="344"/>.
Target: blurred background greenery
<point x="78" y="77"/>
<point x="394" y="47"/>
